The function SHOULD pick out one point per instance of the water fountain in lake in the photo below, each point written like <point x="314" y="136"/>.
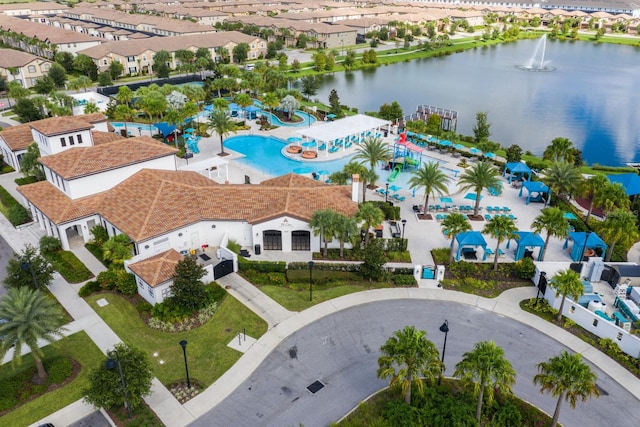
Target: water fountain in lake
<point x="537" y="60"/>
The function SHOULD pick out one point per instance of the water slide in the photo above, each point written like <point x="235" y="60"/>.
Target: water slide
<point x="394" y="174"/>
<point x="411" y="162"/>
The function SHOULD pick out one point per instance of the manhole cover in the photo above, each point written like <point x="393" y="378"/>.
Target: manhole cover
<point x="102" y="302"/>
<point x="315" y="386"/>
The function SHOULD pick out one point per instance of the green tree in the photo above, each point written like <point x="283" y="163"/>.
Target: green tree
<point x="66" y="60"/>
<point x="27" y="110"/>
<point x="620" y="227"/>
<point x="30" y="316"/>
<point x="85" y="66"/>
<point x="349" y="60"/>
<point x="372" y="267"/>
<point x="552" y="221"/>
<point x="161" y="61"/>
<point x="244" y="101"/>
<point x="104" y="79"/>
<point x="295" y="65"/>
<point x="487" y="368"/>
<point x="240" y="52"/>
<point x="29" y="164"/>
<point x="346" y="230"/>
<point x="591" y="187"/>
<point x="560" y="150"/>
<point x="81" y="83"/>
<point x="117" y="249"/>
<point x="454" y="224"/>
<point x="125" y="113"/>
<point x="482" y="128"/>
<point x="323" y="223"/>
<point x="433" y="124"/>
<point x="58" y="74"/>
<point x="568" y="378"/>
<point x="563" y="178"/>
<point x="478" y="177"/>
<point x="271" y="100"/>
<point x="188" y="291"/>
<point x="115" y="70"/>
<point x="105" y="385"/>
<point x="566" y="283"/>
<point x="186" y="59"/>
<point x="391" y="112"/>
<point x="309" y="85"/>
<point x="334" y="102"/>
<point x="124" y="95"/>
<point x="372" y="151"/>
<point x="16" y="91"/>
<point x="319" y="61"/>
<point x="369" y="215"/>
<point x="353" y="168"/>
<point x="432" y="179"/>
<point x="513" y="153"/>
<point x="407" y="357"/>
<point x="27" y="267"/>
<point x="221" y="123"/>
<point x="613" y="196"/>
<point x="501" y="228"/>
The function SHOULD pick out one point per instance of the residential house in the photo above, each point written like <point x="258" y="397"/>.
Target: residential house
<point x="22" y="67"/>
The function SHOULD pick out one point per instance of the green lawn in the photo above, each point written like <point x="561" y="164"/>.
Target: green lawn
<point x="296" y="298"/>
<point x="77" y="346"/>
<point x="207" y="351"/>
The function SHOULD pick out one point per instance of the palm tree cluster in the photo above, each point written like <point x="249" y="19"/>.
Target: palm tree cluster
<point x="332" y="225"/>
<point x="410" y="360"/>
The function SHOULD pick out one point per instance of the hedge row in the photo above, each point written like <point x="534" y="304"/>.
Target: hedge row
<point x="262" y="266"/>
<point x="14" y="211"/>
<point x="69" y="266"/>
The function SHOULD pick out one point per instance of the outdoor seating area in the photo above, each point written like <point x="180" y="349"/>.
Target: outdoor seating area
<point x="309" y="154"/>
<point x="294" y="149"/>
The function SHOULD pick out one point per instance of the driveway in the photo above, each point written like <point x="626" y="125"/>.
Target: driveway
<point x="341" y="351"/>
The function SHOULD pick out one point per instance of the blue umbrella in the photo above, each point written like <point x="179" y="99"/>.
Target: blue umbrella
<point x="395" y="188"/>
<point x="189" y="130"/>
<point x="446" y="200"/>
<point x="294" y="139"/>
<point x="458" y="146"/>
<point x="475" y="151"/>
<point x="490" y="155"/>
<point x="309" y="144"/>
<point x="471" y="196"/>
<point x="445" y="143"/>
<point x="322" y="172"/>
<point x="569" y="215"/>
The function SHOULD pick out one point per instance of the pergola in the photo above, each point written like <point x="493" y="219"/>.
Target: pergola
<point x="583" y="242"/>
<point x="538" y="188"/>
<point x="516" y="170"/>
<point x="207" y="166"/>
<point x="527" y="239"/>
<point x="354" y="128"/>
<point x="469" y="238"/>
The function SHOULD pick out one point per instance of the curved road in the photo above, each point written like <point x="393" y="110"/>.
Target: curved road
<point x="341" y="350"/>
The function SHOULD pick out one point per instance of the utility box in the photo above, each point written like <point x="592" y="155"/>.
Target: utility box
<point x="439" y="273"/>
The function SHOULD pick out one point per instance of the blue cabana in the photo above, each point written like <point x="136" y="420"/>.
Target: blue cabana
<point x="630" y="182"/>
<point x="252" y="111"/>
<point x="165" y="128"/>
<point x="467" y="239"/>
<point x="587" y="242"/>
<point x="535" y="190"/>
<point x="516" y="170"/>
<point x="527" y="239"/>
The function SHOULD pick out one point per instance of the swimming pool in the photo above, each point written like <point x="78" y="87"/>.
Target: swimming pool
<point x="131" y="126"/>
<point x="307" y="119"/>
<point x="264" y="153"/>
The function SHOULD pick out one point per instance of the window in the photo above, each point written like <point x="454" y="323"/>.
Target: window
<point x="572" y="309"/>
<point x="140" y="284"/>
<point x="300" y="241"/>
<point x="32" y="68"/>
<point x="71" y="141"/>
<point x="144" y="57"/>
<point x="131" y="59"/>
<point x="166" y="293"/>
<point x="104" y="62"/>
<point x="46" y="67"/>
<point x="63" y="142"/>
<point x="150" y="290"/>
<point x="619" y="337"/>
<point x="79" y="139"/>
<point x="595" y="322"/>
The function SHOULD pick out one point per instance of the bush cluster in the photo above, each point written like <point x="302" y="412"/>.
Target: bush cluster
<point x="262" y="266"/>
<point x="111" y="279"/>
<point x="404" y="280"/>
<point x="390" y="211"/>
<point x="69" y="266"/>
<point x="201" y="317"/>
<point x="15" y="212"/>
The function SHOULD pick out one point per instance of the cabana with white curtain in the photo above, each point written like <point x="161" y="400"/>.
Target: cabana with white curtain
<point x="205" y="167"/>
<point x="341" y="134"/>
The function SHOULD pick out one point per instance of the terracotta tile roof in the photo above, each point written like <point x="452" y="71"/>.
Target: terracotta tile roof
<point x="82" y="161"/>
<point x="64" y="124"/>
<point x="154" y="202"/>
<point x="157" y="269"/>
<point x="104" y="137"/>
<point x="18" y="137"/>
<point x="56" y="205"/>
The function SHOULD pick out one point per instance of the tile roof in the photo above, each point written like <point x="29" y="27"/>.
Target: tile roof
<point x="60" y="125"/>
<point x="18" y="137"/>
<point x="154" y="202"/>
<point x="82" y="161"/>
<point x="104" y="137"/>
<point x="157" y="269"/>
<point x="16" y="58"/>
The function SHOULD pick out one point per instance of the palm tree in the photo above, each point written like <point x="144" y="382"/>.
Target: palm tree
<point x="488" y="369"/>
<point x="117" y="249"/>
<point x="552" y="221"/>
<point x="566" y="282"/>
<point x="500" y="227"/>
<point x="369" y="215"/>
<point x="567" y="377"/>
<point x="432" y="179"/>
<point x="591" y="188"/>
<point x="125" y="113"/>
<point x="407" y="356"/>
<point x="613" y="196"/>
<point x="478" y="177"/>
<point x="372" y="151"/>
<point x="221" y="123"/>
<point x="270" y="100"/>
<point x="560" y="149"/>
<point x="346" y="230"/>
<point x="454" y="224"/>
<point x="352" y="168"/>
<point x="30" y="316"/>
<point x="243" y="100"/>
<point x="563" y="178"/>
<point x="619" y="227"/>
<point x="323" y="223"/>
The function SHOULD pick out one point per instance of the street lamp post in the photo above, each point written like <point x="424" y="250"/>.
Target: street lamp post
<point x="444" y="328"/>
<point x="404" y="223"/>
<point x="386" y="193"/>
<point x="310" y="280"/>
<point x="584" y="247"/>
<point x="24" y="265"/>
<point x="140" y="130"/>
<point x="112" y="364"/>
<point x="183" y="344"/>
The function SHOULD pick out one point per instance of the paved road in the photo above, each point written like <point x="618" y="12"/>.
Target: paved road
<point x="5" y="254"/>
<point x="96" y="419"/>
<point x="341" y="350"/>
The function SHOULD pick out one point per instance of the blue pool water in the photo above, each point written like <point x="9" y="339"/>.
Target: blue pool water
<point x="307" y="119"/>
<point x="264" y="153"/>
<point x="134" y="126"/>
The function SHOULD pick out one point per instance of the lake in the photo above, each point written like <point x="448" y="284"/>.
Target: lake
<point x="591" y="97"/>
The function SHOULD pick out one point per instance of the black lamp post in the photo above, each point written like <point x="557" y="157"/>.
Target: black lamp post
<point x="584" y="248"/>
<point x="444" y="328"/>
<point x="404" y="223"/>
<point x="183" y="344"/>
<point x="386" y="192"/>
<point x="140" y="130"/>
<point x="111" y="364"/>
<point x="310" y="280"/>
<point x="26" y="265"/>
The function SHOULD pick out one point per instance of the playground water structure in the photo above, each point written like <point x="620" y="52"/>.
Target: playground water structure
<point x="537" y="61"/>
<point x="307" y="119"/>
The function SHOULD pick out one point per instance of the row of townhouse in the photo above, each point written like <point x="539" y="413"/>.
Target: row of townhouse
<point x="132" y="186"/>
<point x="23" y="67"/>
<point x="137" y="55"/>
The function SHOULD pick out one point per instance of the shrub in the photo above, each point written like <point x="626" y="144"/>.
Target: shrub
<point x="262" y="266"/>
<point x="126" y="283"/>
<point x="89" y="288"/>
<point x="440" y="255"/>
<point x="18" y="215"/>
<point x="143" y="307"/>
<point x="404" y="280"/>
<point x="390" y="212"/>
<point x="69" y="266"/>
<point x="49" y="244"/>
<point x="462" y="269"/>
<point x="60" y="369"/>
<point x="100" y="235"/>
<point x="525" y="268"/>
<point x="234" y="247"/>
<point x="108" y="279"/>
<point x="26" y="180"/>
<point x="277" y="278"/>
<point x="168" y="312"/>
